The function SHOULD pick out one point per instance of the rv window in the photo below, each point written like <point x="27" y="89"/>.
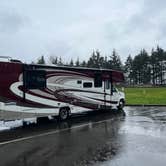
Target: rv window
<point x="79" y="82"/>
<point x="114" y="89"/>
<point x="34" y="79"/>
<point x="87" y="85"/>
<point x="107" y="84"/>
<point x="98" y="80"/>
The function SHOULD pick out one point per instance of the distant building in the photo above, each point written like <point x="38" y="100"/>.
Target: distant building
<point x="159" y="78"/>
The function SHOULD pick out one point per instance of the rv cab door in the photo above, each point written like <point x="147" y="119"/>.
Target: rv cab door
<point x="107" y="92"/>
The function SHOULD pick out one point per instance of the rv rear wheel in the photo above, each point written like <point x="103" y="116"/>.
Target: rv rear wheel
<point x="63" y="113"/>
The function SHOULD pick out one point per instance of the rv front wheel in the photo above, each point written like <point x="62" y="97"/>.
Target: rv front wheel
<point x="63" y="113"/>
<point x="121" y="104"/>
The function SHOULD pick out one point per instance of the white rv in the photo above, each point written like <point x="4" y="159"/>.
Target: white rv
<point x="58" y="90"/>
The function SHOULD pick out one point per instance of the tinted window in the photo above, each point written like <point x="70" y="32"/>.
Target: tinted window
<point x="34" y="79"/>
<point x="107" y="84"/>
<point x="87" y="85"/>
<point x="98" y="80"/>
<point x="79" y="82"/>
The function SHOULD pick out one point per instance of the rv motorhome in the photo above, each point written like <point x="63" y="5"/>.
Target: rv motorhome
<point x="62" y="90"/>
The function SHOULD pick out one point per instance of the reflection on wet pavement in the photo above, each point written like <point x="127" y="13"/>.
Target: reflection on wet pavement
<point x="144" y="134"/>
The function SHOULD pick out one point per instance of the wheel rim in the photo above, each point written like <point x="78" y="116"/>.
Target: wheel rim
<point x="63" y="114"/>
<point x="121" y="104"/>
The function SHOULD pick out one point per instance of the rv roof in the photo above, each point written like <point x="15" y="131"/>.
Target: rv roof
<point x="5" y="58"/>
<point x="74" y="67"/>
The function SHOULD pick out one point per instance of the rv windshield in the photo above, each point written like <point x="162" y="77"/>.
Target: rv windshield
<point x="114" y="89"/>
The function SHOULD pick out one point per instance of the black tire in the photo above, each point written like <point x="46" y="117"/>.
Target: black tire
<point x="63" y="114"/>
<point x="121" y="104"/>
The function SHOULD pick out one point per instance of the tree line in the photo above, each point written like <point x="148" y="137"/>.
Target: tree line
<point x="143" y="69"/>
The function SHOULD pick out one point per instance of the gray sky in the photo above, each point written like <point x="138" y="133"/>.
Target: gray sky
<point x="73" y="28"/>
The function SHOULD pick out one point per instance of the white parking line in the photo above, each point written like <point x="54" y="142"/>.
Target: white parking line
<point x="50" y="133"/>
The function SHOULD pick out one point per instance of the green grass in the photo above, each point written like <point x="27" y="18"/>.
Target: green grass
<point x="145" y="96"/>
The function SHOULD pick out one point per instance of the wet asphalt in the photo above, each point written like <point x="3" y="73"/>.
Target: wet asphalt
<point x="100" y="139"/>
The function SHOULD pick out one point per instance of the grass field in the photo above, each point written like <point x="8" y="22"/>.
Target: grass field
<point x="145" y="96"/>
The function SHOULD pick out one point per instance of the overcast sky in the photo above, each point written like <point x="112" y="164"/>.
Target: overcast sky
<point x="73" y="28"/>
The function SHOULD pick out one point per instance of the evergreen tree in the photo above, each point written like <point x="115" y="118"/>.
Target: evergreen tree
<point x="96" y="60"/>
<point x="92" y="61"/>
<point x="129" y="69"/>
<point x="99" y="61"/>
<point x="141" y="69"/>
<point x="115" y="61"/>
<point x="41" y="60"/>
<point x="157" y="58"/>
<point x="71" y="63"/>
<point x="106" y="63"/>
<point x="154" y="66"/>
<point x="77" y="62"/>
<point x="53" y="60"/>
<point x="60" y="61"/>
<point x="83" y="64"/>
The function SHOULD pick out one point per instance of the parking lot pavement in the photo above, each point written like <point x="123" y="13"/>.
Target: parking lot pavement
<point x="100" y="139"/>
